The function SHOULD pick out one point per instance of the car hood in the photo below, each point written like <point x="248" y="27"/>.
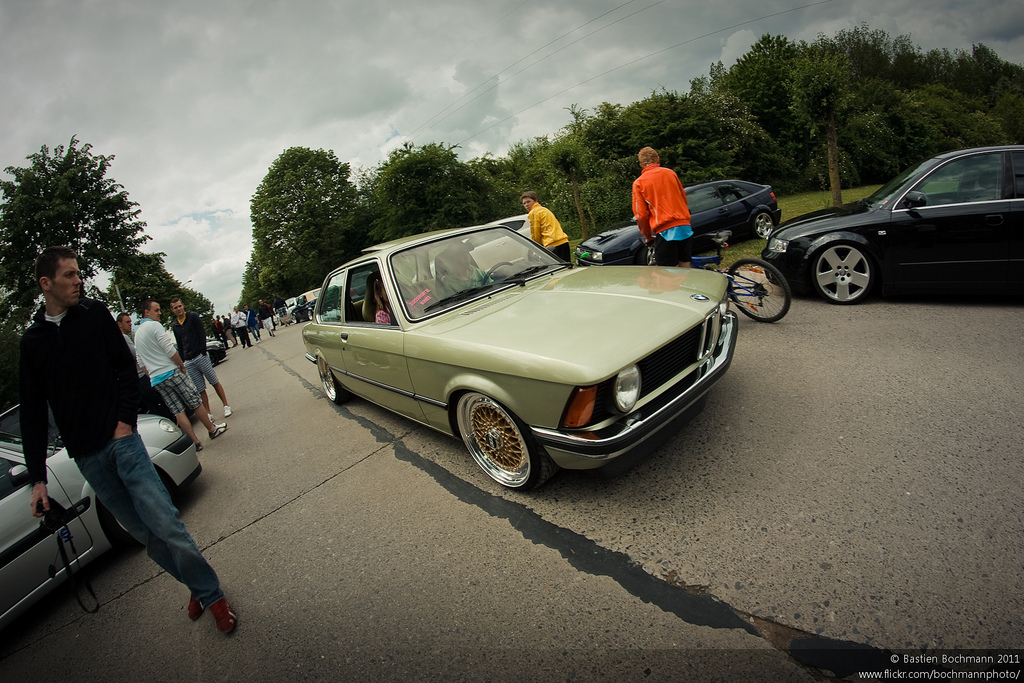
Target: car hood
<point x="835" y="218"/>
<point x="613" y="239"/>
<point x="578" y="326"/>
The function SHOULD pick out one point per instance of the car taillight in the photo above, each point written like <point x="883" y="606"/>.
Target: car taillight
<point x="773" y="196"/>
<point x="581" y="407"/>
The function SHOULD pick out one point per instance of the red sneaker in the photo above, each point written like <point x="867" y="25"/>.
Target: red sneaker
<point x="224" y="615"/>
<point x="195" y="608"/>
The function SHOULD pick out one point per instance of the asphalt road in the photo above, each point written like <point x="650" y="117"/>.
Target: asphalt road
<point x="854" y="482"/>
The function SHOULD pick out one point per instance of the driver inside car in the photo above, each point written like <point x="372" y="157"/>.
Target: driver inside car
<point x="456" y="271"/>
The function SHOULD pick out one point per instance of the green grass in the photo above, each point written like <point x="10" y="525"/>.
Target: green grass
<point x="792" y="206"/>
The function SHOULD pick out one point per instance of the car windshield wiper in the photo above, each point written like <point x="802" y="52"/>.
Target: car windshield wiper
<point x="521" y="277"/>
<point x="459" y="296"/>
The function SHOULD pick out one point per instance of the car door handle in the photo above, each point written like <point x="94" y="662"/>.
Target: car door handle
<point x="994" y="219"/>
<point x="343" y="335"/>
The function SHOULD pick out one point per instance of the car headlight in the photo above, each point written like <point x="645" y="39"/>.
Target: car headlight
<point x="627" y="388"/>
<point x="168" y="426"/>
<point x="778" y="245"/>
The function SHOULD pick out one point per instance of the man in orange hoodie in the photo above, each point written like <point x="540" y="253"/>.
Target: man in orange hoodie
<point x="659" y="204"/>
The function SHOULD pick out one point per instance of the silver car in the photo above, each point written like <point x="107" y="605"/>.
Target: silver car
<point x="30" y="558"/>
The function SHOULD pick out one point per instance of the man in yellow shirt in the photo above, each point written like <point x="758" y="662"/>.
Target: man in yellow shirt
<point x="545" y="229"/>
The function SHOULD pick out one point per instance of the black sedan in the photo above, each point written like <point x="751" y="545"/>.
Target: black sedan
<point x="747" y="209"/>
<point x="952" y="223"/>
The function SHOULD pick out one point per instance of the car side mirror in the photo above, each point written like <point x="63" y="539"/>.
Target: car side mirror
<point x="18" y="476"/>
<point x="914" y="199"/>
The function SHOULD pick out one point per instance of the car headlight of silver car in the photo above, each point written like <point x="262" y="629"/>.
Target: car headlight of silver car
<point x="777" y="245"/>
<point x="168" y="426"/>
<point x="627" y="388"/>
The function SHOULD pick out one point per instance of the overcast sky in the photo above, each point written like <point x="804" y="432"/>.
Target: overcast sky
<point x="196" y="99"/>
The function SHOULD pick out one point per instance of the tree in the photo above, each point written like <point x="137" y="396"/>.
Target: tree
<point x="821" y="88"/>
<point x="303" y="216"/>
<point x="571" y="157"/>
<point x="426" y="188"/>
<point x="146" y="277"/>
<point x="762" y="80"/>
<point x="63" y="198"/>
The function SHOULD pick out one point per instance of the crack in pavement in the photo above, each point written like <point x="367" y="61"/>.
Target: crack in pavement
<point x="823" y="657"/>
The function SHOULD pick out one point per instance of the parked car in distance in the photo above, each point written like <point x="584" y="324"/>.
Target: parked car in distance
<point x="494" y="340"/>
<point x="30" y="559"/>
<point x="952" y="223"/>
<point x="747" y="209"/>
<point x="520" y="224"/>
<point x="216" y="350"/>
<point x="303" y="309"/>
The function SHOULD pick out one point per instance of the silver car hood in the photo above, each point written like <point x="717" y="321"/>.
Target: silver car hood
<point x="582" y="325"/>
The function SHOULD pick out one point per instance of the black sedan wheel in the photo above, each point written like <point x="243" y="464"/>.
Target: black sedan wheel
<point x="763" y="225"/>
<point x="500" y="444"/>
<point x="843" y="274"/>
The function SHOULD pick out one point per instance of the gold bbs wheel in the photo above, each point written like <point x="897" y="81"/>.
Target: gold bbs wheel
<point x="499" y="443"/>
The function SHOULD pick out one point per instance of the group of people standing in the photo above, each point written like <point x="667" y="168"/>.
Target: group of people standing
<point x="92" y="374"/>
<point x="76" y="362"/>
<point x="245" y="324"/>
<point x="660" y="207"/>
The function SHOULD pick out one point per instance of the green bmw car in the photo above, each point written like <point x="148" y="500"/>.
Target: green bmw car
<point x="482" y="334"/>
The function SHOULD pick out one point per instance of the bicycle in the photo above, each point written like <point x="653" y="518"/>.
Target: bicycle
<point x="757" y="287"/>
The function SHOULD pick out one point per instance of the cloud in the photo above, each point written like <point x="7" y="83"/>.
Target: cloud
<point x="196" y="99"/>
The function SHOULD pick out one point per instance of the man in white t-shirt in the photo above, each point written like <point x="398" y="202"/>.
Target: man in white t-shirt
<point x="155" y="349"/>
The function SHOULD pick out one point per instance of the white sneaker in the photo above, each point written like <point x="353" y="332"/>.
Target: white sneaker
<point x="227" y="412"/>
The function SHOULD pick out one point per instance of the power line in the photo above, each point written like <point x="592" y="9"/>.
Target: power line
<point x="434" y="118"/>
<point x="640" y="59"/>
<point x="453" y="55"/>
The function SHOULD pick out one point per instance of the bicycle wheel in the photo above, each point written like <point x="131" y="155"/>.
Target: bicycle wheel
<point x="759" y="290"/>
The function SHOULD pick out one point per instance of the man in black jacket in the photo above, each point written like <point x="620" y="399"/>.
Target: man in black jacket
<point x="74" y="358"/>
<point x="190" y="335"/>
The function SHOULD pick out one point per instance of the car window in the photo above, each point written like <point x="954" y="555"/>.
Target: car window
<point x="330" y="308"/>
<point x="731" y="193"/>
<point x="10" y="427"/>
<point x="702" y="199"/>
<point x="362" y="306"/>
<point x="971" y="179"/>
<point x="1018" y="173"/>
<point x="437" y="271"/>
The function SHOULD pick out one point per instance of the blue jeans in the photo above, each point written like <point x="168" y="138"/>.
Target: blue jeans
<point x="126" y="481"/>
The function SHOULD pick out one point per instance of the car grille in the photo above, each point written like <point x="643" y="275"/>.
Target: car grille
<point x="655" y="370"/>
<point x="669" y="361"/>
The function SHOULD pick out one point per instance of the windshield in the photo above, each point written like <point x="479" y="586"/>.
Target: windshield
<point x="449" y="272"/>
<point x="885" y="194"/>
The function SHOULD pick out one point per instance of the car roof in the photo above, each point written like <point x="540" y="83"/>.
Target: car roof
<point x="511" y="219"/>
<point x="973" y="150"/>
<point x="430" y="236"/>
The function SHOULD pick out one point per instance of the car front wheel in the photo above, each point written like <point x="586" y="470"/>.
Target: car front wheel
<point x="843" y="274"/>
<point x="763" y="225"/>
<point x="500" y="444"/>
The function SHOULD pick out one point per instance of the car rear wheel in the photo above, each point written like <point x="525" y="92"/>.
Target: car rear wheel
<point x="843" y="274"/>
<point x="334" y="391"/>
<point x="117" y="534"/>
<point x="763" y="225"/>
<point x="500" y="444"/>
